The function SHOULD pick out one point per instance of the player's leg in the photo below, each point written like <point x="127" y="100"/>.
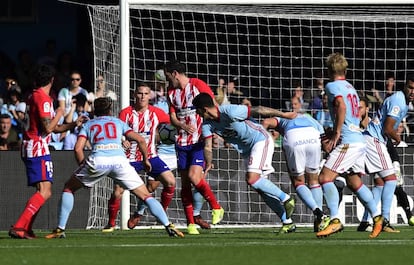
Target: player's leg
<point x="196" y="175"/>
<point x="129" y="178"/>
<point x="402" y="200"/>
<point x="198" y="202"/>
<point x="39" y="174"/>
<point x="114" y="204"/>
<point x="156" y="210"/>
<point x="65" y="207"/>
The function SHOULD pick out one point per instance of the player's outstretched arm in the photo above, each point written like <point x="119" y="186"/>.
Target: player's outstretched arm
<point x="208" y="154"/>
<point x="270" y="112"/>
<point x="142" y="145"/>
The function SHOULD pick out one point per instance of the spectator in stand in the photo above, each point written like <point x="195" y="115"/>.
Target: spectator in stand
<point x="101" y="90"/>
<point x="317" y="101"/>
<point x="9" y="133"/>
<point x="323" y="115"/>
<point x="189" y="144"/>
<point x="24" y="70"/>
<point x="64" y="68"/>
<point x="300" y="95"/>
<point x="77" y="110"/>
<point x="35" y="152"/>
<point x="49" y="57"/>
<point x="22" y="119"/>
<point x="3" y="144"/>
<point x="67" y="93"/>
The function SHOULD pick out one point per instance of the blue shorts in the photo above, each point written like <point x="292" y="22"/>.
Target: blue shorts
<point x="191" y="155"/>
<point x="38" y="169"/>
<point x="158" y="166"/>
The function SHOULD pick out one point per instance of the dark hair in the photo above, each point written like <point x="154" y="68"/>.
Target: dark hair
<point x="80" y="99"/>
<point x="174" y="66"/>
<point x="102" y="106"/>
<point x="4" y="116"/>
<point x="203" y="100"/>
<point x="43" y="75"/>
<point x="365" y="100"/>
<point x="410" y="78"/>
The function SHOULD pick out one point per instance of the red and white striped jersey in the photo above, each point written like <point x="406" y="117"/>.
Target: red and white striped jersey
<point x="36" y="141"/>
<point x="145" y="123"/>
<point x="181" y="103"/>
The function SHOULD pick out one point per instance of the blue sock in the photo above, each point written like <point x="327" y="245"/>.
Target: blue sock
<point x="367" y="199"/>
<point x="317" y="195"/>
<point x="198" y="201"/>
<point x="65" y="208"/>
<point x="386" y="197"/>
<point x="306" y="196"/>
<point x="156" y="209"/>
<point x="376" y="192"/>
<point x="270" y="189"/>
<point x="141" y="207"/>
<point x="332" y="198"/>
<point x="275" y="205"/>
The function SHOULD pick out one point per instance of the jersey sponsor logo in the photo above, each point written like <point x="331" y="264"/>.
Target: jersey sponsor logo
<point x="46" y="107"/>
<point x="109" y="166"/>
<point x="395" y="110"/>
<point x="306" y="141"/>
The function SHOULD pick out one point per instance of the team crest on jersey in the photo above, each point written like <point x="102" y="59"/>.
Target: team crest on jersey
<point x="46" y="107"/>
<point x="395" y="110"/>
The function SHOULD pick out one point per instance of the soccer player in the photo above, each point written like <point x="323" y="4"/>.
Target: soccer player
<point x="253" y="142"/>
<point x="189" y="144"/>
<point x="108" y="158"/>
<point x="166" y="152"/>
<point x="35" y="150"/>
<point x="302" y="149"/>
<point x="382" y="127"/>
<point x="143" y="119"/>
<point x="346" y="147"/>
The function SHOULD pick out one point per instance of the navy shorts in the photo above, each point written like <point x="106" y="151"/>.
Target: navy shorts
<point x="38" y="169"/>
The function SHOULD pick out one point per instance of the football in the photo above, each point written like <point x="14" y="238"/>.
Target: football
<point x="167" y="133"/>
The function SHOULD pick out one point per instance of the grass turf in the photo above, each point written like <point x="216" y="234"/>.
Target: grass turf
<point x="216" y="246"/>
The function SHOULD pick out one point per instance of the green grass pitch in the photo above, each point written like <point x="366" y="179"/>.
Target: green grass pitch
<point x="239" y="246"/>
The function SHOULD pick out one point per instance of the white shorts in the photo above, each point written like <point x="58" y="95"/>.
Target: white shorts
<point x="169" y="159"/>
<point x="378" y="159"/>
<point x="261" y="156"/>
<point x="118" y="168"/>
<point x="346" y="158"/>
<point x="302" y="148"/>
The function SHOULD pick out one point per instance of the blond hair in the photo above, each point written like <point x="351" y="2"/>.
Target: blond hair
<point x="337" y="64"/>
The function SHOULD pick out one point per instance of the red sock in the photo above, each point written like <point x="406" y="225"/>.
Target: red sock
<point x="113" y="208"/>
<point x="167" y="195"/>
<point x="33" y="206"/>
<point x="187" y="200"/>
<point x="30" y="224"/>
<point x="204" y="188"/>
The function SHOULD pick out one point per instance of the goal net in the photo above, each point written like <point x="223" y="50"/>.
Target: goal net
<point x="270" y="50"/>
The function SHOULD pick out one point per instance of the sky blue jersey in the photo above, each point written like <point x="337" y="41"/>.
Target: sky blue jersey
<point x="301" y="121"/>
<point x="394" y="106"/>
<point x="105" y="135"/>
<point x="236" y="128"/>
<point x="350" y="133"/>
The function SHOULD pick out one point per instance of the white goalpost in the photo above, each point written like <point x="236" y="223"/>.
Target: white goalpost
<point x="269" y="47"/>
